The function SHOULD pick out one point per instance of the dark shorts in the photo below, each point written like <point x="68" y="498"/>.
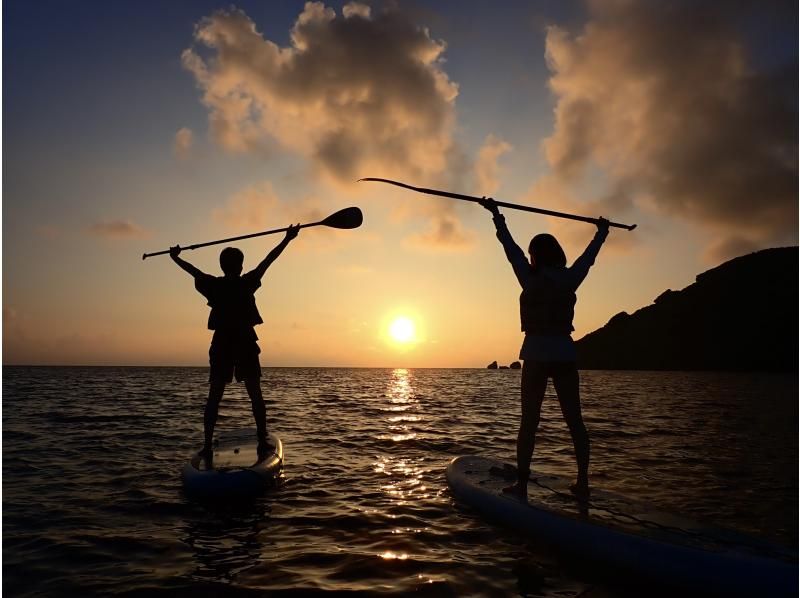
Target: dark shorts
<point x="551" y="369"/>
<point x="229" y="358"/>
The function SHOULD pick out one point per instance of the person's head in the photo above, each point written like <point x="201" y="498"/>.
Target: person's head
<point x="545" y="251"/>
<point x="231" y="261"/>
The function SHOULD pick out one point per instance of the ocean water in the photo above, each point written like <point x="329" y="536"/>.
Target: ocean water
<point x="92" y="499"/>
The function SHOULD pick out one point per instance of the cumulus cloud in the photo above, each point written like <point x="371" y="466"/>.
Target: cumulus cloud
<point x="550" y="192"/>
<point x="117" y="229"/>
<point x="182" y="144"/>
<point x="253" y="207"/>
<point x="258" y="207"/>
<point x="664" y="99"/>
<point x="486" y="167"/>
<point x="355" y="94"/>
<point x="445" y="230"/>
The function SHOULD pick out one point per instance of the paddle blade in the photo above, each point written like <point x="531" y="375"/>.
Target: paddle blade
<point x="346" y="218"/>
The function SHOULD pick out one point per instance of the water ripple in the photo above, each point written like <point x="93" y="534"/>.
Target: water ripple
<point x="92" y="502"/>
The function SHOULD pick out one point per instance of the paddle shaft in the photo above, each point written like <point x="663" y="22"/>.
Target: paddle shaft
<point x="228" y="240"/>
<point x="504" y="204"/>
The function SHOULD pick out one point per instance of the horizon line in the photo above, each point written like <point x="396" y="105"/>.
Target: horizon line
<point x="352" y="367"/>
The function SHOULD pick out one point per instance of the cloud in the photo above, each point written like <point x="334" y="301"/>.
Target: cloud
<point x="551" y="193"/>
<point x="445" y="232"/>
<point x="664" y="100"/>
<point x="486" y="166"/>
<point x="254" y="207"/>
<point x="258" y="207"/>
<point x="117" y="229"/>
<point x="182" y="145"/>
<point x="356" y="94"/>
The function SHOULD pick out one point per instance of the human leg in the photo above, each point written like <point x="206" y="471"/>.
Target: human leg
<point x="566" y="382"/>
<point x="220" y="374"/>
<point x="534" y="384"/>
<point x="215" y="392"/>
<point x="253" y="386"/>
<point x="248" y="370"/>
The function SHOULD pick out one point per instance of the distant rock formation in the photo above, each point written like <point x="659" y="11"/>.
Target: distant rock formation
<point x="739" y="316"/>
<point x="515" y="365"/>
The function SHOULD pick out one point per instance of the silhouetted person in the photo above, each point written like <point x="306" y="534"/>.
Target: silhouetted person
<point x="234" y="350"/>
<point x="547" y="307"/>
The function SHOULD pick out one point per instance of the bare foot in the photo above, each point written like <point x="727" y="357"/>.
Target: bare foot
<point x="517" y="489"/>
<point x="581" y="490"/>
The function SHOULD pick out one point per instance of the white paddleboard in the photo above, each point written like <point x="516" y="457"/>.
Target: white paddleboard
<point x="626" y="535"/>
<point x="235" y="471"/>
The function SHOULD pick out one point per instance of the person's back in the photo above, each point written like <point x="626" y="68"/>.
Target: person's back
<point x="547" y="307"/>
<point x="547" y="303"/>
<point x="234" y="349"/>
<point x="232" y="301"/>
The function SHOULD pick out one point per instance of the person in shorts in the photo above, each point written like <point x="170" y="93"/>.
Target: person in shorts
<point x="234" y="348"/>
<point x="547" y="307"/>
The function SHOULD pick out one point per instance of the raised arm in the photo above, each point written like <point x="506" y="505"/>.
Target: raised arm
<point x="580" y="268"/>
<point x="514" y="253"/>
<point x="174" y="253"/>
<point x="291" y="233"/>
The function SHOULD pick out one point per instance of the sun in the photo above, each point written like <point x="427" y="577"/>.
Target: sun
<point x="402" y="330"/>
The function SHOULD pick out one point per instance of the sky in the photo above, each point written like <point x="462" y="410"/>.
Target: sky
<point x="129" y="127"/>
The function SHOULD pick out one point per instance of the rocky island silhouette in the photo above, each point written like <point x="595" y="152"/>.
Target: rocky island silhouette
<point x="740" y="316"/>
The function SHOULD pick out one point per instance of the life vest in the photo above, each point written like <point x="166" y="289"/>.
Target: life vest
<point x="546" y="307"/>
<point x="233" y="304"/>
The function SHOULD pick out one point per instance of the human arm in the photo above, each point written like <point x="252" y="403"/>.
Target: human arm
<point x="174" y="253"/>
<point x="580" y="268"/>
<point x="291" y="233"/>
<point x="514" y="253"/>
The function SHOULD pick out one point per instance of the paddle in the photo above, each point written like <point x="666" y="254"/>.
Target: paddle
<point x="499" y="203"/>
<point x="346" y="218"/>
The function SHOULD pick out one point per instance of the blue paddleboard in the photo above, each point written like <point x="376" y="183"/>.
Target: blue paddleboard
<point x="627" y="535"/>
<point x="236" y="471"/>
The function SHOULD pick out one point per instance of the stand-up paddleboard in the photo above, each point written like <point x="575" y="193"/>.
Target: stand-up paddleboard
<point x="236" y="471"/>
<point x="628" y="536"/>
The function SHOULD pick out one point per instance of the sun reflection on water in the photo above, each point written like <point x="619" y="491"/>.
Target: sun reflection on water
<point x="400" y="467"/>
<point x="390" y="556"/>
<point x="400" y="388"/>
<point x="403" y="474"/>
<point x="402" y="398"/>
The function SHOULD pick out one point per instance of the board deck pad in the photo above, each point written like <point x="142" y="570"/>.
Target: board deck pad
<point x="236" y="457"/>
<point x="235" y="469"/>
<point x="241" y="456"/>
<point x="236" y="450"/>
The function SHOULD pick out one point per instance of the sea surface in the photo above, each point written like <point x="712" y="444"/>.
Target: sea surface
<point x="93" y="505"/>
